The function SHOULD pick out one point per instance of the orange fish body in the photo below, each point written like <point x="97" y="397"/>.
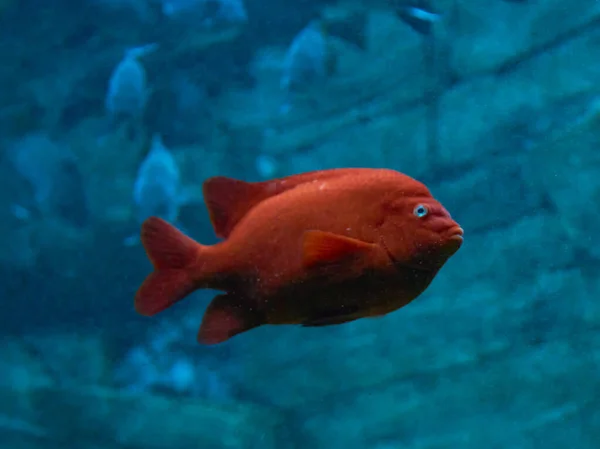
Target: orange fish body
<point x="319" y="248"/>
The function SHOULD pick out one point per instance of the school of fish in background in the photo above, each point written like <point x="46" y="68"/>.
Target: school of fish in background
<point x="50" y="186"/>
<point x="157" y="118"/>
<point x="155" y="102"/>
<point x="309" y="60"/>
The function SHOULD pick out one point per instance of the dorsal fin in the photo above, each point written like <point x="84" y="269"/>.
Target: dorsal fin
<point x="228" y="200"/>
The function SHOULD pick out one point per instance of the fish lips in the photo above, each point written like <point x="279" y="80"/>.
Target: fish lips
<point x="452" y="240"/>
<point x="456" y="233"/>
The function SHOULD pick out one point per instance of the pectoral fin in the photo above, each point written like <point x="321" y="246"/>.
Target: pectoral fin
<point x="326" y="248"/>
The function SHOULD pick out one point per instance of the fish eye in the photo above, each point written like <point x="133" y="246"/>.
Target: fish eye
<point x="420" y="211"/>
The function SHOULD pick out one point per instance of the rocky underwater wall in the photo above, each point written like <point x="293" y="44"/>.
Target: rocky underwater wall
<point x="497" y="111"/>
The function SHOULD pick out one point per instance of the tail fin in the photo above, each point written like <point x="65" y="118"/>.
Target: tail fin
<point x="174" y="256"/>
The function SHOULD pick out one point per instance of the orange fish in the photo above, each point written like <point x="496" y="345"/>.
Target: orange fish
<point x="314" y="249"/>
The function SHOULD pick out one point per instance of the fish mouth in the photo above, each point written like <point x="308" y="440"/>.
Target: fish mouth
<point x="456" y="233"/>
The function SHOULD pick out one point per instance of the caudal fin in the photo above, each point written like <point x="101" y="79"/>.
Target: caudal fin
<point x="174" y="257"/>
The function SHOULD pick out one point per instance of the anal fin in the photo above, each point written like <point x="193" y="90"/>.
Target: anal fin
<point x="226" y="316"/>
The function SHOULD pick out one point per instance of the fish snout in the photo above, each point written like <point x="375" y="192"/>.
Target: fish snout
<point x="455" y="233"/>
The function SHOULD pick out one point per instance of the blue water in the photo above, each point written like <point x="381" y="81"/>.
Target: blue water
<point x="116" y="110"/>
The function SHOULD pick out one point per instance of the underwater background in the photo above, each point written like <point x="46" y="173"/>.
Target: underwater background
<point x="115" y="110"/>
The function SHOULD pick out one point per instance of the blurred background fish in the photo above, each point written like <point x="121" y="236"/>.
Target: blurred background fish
<point x="310" y="60"/>
<point x="128" y="92"/>
<point x="418" y="14"/>
<point x="157" y="186"/>
<point x="51" y="170"/>
<point x="158" y="189"/>
<point x="348" y="19"/>
<point x="208" y="13"/>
